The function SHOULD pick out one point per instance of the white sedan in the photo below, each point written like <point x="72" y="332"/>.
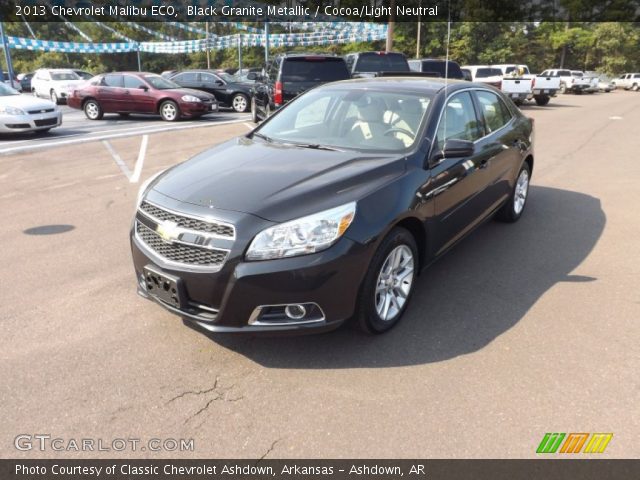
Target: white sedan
<point x="23" y="113"/>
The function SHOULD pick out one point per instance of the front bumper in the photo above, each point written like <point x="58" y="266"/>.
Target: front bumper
<point x="29" y="122"/>
<point x="190" y="109"/>
<point x="225" y="301"/>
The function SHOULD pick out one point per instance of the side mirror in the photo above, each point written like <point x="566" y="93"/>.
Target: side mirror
<point x="144" y="87"/>
<point x="252" y="76"/>
<point x="454" y="148"/>
<point x="219" y="82"/>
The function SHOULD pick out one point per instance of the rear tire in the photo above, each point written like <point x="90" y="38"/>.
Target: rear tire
<point x="93" y="110"/>
<point x="542" y="100"/>
<point x="512" y="210"/>
<point x="169" y="111"/>
<point x="388" y="284"/>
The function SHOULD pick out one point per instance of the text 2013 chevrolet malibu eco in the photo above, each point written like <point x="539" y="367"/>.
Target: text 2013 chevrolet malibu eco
<point x="329" y="209"/>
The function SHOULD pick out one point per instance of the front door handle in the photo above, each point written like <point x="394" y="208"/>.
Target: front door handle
<point x="484" y="163"/>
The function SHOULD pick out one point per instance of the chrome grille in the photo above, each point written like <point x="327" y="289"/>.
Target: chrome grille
<point x="179" y="253"/>
<point x="195" y="224"/>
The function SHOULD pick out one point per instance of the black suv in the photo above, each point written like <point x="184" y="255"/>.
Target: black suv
<point x="289" y="75"/>
<point x="367" y="64"/>
<point x="225" y="87"/>
<point x="437" y="68"/>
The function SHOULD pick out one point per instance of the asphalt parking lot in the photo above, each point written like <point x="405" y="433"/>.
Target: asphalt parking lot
<point x="520" y="330"/>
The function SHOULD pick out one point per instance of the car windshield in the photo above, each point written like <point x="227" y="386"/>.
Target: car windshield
<point x="6" y="90"/>
<point x="160" y="83"/>
<point x="227" y="77"/>
<point x="84" y="75"/>
<point x="488" y="72"/>
<point x="359" y="119"/>
<point x="64" y="76"/>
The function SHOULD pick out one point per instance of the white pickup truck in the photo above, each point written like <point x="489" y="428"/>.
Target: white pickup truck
<point x="520" y="84"/>
<point x="568" y="82"/>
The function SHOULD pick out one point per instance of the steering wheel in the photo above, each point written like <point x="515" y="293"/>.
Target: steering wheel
<point x="409" y="133"/>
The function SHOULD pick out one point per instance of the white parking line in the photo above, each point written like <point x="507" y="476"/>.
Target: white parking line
<point x="91" y="137"/>
<point x="138" y="168"/>
<point x="123" y="166"/>
<point x="249" y="126"/>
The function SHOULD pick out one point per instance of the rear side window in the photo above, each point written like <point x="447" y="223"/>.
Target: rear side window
<point x="488" y="72"/>
<point x="186" y="77"/>
<point x="314" y="69"/>
<point x="382" y="62"/>
<point x="113" y="81"/>
<point x="564" y="73"/>
<point x="495" y="112"/>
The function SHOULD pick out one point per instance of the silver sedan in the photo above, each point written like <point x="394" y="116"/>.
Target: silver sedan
<point x="23" y="113"/>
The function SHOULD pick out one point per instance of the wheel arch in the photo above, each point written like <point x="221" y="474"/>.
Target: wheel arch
<point x="417" y="230"/>
<point x="162" y="100"/>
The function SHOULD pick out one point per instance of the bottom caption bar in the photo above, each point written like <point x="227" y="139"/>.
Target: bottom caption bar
<point x="319" y="469"/>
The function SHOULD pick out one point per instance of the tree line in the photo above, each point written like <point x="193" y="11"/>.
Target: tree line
<point x="609" y="47"/>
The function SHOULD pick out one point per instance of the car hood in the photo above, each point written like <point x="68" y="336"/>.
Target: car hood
<point x="68" y="83"/>
<point x="274" y="181"/>
<point x="26" y="102"/>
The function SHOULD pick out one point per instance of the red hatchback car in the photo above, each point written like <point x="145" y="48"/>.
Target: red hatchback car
<point x="136" y="92"/>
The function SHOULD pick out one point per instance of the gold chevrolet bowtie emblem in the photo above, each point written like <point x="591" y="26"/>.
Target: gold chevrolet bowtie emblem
<point x="168" y="231"/>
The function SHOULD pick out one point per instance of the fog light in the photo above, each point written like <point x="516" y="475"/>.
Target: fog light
<point x="295" y="312"/>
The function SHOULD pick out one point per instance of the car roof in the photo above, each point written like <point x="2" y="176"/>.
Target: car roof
<point x="407" y="84"/>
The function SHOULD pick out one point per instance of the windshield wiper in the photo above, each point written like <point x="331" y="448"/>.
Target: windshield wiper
<point x="316" y="146"/>
<point x="262" y="136"/>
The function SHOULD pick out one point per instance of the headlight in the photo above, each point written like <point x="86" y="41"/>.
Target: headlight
<point x="190" y="98"/>
<point x="11" y="110"/>
<point x="145" y="186"/>
<point x="302" y="236"/>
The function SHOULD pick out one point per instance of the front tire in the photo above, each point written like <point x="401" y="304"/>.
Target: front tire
<point x="169" y="111"/>
<point x="240" y="103"/>
<point x="93" y="110"/>
<point x="563" y="88"/>
<point x="54" y="97"/>
<point x="388" y="283"/>
<point x="512" y="210"/>
<point x="635" y="87"/>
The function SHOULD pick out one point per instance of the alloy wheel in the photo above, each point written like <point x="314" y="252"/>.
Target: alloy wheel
<point x="394" y="283"/>
<point x="522" y="188"/>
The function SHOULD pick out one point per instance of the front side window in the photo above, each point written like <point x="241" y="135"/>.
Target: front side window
<point x="133" y="82"/>
<point x="458" y="120"/>
<point x="359" y="119"/>
<point x="495" y="112"/>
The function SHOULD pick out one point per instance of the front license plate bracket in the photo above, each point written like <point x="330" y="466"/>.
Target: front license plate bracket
<point x="166" y="288"/>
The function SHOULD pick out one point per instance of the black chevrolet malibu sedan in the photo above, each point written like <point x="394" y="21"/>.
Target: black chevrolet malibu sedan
<point x="329" y="209"/>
